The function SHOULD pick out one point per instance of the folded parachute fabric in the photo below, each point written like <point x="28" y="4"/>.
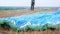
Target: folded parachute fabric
<point x="36" y="21"/>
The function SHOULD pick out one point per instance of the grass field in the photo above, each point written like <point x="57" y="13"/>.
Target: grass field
<point x="8" y="13"/>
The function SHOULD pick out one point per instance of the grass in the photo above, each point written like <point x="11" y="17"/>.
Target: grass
<point x="47" y="31"/>
<point x="8" y="13"/>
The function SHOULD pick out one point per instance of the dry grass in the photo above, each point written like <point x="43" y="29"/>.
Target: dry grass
<point x="8" y="13"/>
<point x="47" y="31"/>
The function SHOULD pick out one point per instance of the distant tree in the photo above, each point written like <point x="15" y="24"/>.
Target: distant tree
<point x="32" y="4"/>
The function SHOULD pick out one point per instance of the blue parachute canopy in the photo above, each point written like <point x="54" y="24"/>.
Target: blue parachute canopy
<point x="36" y="19"/>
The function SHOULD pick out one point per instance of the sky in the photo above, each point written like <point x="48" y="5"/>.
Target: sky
<point x="27" y="3"/>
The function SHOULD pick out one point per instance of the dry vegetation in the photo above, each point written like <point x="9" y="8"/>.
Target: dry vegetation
<point x="47" y="31"/>
<point x="8" y="13"/>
